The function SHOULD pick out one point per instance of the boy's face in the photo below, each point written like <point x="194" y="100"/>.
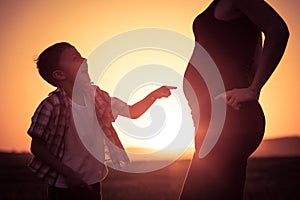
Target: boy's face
<point x="72" y="65"/>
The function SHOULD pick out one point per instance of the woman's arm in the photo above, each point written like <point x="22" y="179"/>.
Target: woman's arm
<point x="276" y="36"/>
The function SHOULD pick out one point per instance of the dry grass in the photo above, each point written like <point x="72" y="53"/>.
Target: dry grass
<point x="267" y="179"/>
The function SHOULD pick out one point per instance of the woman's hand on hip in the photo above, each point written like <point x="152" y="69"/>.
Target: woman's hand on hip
<point x="237" y="96"/>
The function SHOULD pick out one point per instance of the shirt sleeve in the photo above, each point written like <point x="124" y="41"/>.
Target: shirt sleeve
<point x="119" y="107"/>
<point x="40" y="120"/>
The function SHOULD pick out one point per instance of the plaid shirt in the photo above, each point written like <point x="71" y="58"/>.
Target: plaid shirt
<point x="51" y="120"/>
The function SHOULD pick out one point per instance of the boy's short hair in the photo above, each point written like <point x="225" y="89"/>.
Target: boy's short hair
<point x="48" y="61"/>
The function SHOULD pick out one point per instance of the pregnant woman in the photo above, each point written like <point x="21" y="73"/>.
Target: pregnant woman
<point x="231" y="32"/>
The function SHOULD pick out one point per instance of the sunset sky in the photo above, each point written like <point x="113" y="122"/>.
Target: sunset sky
<point x="28" y="27"/>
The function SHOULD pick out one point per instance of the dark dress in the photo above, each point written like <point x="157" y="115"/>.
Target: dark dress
<point x="232" y="45"/>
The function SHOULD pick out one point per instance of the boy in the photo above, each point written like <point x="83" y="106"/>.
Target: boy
<point x="60" y="157"/>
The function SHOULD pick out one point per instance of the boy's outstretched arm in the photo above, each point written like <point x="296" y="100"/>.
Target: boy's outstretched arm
<point x="137" y="109"/>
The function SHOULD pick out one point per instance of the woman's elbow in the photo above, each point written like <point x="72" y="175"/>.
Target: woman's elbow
<point x="282" y="31"/>
<point x="279" y="34"/>
<point x="285" y="33"/>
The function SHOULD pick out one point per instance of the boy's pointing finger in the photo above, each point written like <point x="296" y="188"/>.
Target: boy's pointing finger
<point x="171" y="87"/>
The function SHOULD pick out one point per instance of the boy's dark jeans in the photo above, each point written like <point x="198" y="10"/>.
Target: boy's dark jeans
<point x="55" y="193"/>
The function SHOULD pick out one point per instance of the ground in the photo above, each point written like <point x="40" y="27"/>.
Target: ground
<point x="267" y="179"/>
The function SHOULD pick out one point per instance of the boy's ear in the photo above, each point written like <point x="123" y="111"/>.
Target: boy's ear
<point x="58" y="75"/>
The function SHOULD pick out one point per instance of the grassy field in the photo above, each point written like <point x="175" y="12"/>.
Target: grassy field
<point x="267" y="179"/>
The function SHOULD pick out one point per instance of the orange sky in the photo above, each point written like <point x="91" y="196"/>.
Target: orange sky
<point x="28" y="27"/>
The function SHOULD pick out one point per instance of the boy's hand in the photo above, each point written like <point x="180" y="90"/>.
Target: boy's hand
<point x="74" y="181"/>
<point x="163" y="91"/>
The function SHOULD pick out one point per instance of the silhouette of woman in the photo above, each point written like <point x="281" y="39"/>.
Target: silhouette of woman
<point x="231" y="32"/>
